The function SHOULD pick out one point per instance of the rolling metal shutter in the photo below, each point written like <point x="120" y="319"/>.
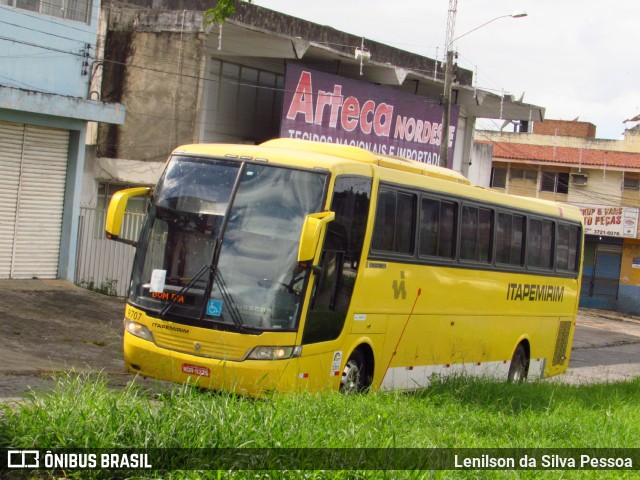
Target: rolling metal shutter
<point x="607" y="271"/>
<point x="601" y="272"/>
<point x="11" y="137"/>
<point x="34" y="168"/>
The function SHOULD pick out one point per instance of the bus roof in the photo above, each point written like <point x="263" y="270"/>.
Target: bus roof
<point x="361" y="155"/>
<point x="330" y="155"/>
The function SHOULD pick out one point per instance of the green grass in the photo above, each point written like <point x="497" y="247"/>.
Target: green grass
<point x="83" y="412"/>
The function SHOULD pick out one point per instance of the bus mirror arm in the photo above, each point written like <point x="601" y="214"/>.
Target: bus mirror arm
<point x="308" y="266"/>
<point x="116" y="211"/>
<point x="312" y="232"/>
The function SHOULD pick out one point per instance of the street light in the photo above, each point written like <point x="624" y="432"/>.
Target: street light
<point x="512" y="15"/>
<point x="448" y="74"/>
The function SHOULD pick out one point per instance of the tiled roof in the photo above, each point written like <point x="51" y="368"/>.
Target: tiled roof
<point x="564" y="155"/>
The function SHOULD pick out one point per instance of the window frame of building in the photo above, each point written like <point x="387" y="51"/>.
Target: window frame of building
<point x="498" y="177"/>
<point x="554" y="182"/>
<point x="631" y="181"/>
<point x="523" y="174"/>
<point x="243" y="102"/>
<point x="74" y="10"/>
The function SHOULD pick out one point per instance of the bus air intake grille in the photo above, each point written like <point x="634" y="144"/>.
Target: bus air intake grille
<point x="204" y="349"/>
<point x="562" y="342"/>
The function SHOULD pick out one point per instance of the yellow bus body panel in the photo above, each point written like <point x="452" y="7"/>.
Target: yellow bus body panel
<point x="418" y="320"/>
<point x="172" y="356"/>
<point x="452" y="316"/>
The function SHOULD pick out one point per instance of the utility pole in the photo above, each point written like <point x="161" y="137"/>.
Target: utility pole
<point x="448" y="80"/>
<point x="448" y="75"/>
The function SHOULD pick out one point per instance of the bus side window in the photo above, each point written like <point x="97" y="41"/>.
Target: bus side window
<point x="567" y="247"/>
<point x="437" y="228"/>
<point x="510" y="236"/>
<point x="541" y="244"/>
<point x="475" y="234"/>
<point x="394" y="226"/>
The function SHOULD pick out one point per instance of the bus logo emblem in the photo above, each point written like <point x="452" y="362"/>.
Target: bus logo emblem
<point x="399" y="288"/>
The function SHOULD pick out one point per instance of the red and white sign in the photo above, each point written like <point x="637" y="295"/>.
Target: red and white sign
<point x="610" y="221"/>
<point x="195" y="370"/>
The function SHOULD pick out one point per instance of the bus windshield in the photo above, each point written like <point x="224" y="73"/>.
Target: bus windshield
<point x="219" y="246"/>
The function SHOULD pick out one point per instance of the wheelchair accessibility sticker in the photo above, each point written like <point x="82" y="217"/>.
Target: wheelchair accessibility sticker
<point x="214" y="308"/>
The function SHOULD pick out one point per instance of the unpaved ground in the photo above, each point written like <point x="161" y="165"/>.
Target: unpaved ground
<point x="606" y="348"/>
<point x="50" y="326"/>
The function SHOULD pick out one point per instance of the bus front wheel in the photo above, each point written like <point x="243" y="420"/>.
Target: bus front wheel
<point x="354" y="374"/>
<point x="519" y="365"/>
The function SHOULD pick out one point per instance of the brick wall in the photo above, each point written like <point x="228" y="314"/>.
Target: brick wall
<point x="565" y="128"/>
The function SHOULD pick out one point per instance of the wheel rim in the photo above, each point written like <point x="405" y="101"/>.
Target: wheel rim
<point x="350" y="381"/>
<point x="517" y="370"/>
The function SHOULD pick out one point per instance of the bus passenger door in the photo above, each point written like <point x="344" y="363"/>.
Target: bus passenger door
<point x="320" y="365"/>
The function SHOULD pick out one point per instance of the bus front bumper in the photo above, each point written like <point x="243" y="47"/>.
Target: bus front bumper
<point x="248" y="377"/>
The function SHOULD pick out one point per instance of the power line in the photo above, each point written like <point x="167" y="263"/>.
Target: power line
<point x="53" y="49"/>
<point x="43" y="32"/>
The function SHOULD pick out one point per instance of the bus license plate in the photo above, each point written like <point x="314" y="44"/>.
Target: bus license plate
<point x="195" y="370"/>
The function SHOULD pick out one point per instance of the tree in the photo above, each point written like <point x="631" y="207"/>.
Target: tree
<point x="222" y="10"/>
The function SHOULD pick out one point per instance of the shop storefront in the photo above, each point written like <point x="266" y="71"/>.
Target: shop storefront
<point x="611" y="271"/>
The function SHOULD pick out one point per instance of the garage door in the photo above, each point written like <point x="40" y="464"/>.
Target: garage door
<point x="601" y="272"/>
<point x="32" y="183"/>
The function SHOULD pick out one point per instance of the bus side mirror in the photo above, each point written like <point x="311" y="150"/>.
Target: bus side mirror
<point x="115" y="213"/>
<point x="314" y="226"/>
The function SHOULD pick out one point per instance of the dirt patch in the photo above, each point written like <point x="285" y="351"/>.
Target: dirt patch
<point x="50" y="326"/>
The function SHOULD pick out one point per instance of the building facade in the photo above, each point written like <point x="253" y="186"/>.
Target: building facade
<point x="260" y="75"/>
<point x="48" y="60"/>
<point x="563" y="161"/>
<point x="186" y="82"/>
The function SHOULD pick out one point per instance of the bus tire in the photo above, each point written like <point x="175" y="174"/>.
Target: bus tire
<point x="519" y="366"/>
<point x="354" y="374"/>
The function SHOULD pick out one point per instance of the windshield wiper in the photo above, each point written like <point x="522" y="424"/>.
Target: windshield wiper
<point x="214" y="272"/>
<point x="216" y="275"/>
<point x="234" y="313"/>
<point x="186" y="288"/>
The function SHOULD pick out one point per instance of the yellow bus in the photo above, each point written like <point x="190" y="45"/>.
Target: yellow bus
<point x="295" y="265"/>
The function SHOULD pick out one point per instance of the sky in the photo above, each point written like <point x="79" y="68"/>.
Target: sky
<point x="576" y="58"/>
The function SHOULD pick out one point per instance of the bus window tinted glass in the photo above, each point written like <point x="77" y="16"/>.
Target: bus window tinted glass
<point x="395" y="220"/>
<point x="405" y="221"/>
<point x="351" y="206"/>
<point x="567" y="247"/>
<point x="509" y="239"/>
<point x="540" y="249"/>
<point x="475" y="234"/>
<point x="437" y="228"/>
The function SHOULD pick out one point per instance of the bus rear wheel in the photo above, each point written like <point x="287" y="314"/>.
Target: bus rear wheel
<point x="519" y="365"/>
<point x="354" y="374"/>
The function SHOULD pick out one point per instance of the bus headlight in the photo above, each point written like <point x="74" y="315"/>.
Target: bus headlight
<point x="137" y="329"/>
<point x="274" y="353"/>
